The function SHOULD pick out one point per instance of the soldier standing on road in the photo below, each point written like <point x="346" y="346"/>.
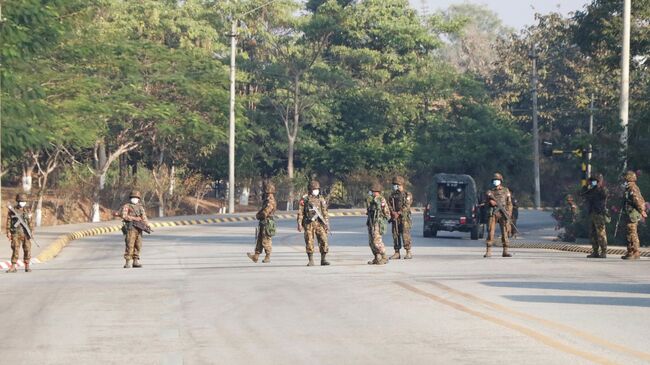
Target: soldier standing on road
<point x="266" y="228"/>
<point x="18" y="235"/>
<point x="566" y="218"/>
<point x="378" y="212"/>
<point x="314" y="219"/>
<point x="133" y="211"/>
<point x="399" y="205"/>
<point x="499" y="202"/>
<point x="633" y="211"/>
<point x="596" y="195"/>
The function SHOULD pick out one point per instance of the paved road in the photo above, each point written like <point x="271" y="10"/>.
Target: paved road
<point x="199" y="300"/>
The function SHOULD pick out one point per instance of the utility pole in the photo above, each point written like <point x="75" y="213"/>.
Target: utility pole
<point x="231" y="139"/>
<point x="533" y="85"/>
<point x="591" y="133"/>
<point x="231" y="133"/>
<point x="625" y="79"/>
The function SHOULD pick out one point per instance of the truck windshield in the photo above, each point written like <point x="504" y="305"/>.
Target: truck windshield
<point x="451" y="197"/>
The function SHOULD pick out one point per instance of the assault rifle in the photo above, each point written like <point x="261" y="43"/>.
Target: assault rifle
<point x="320" y="216"/>
<point x="503" y="212"/>
<point x="142" y="226"/>
<point x="620" y="214"/>
<point x="21" y="222"/>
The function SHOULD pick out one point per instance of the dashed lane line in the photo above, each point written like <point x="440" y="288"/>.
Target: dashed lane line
<point x="547" y="340"/>
<point x="548" y="323"/>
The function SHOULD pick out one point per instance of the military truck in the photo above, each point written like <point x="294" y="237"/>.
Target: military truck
<point x="453" y="205"/>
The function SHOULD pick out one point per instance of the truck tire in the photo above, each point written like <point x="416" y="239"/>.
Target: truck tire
<point x="474" y="233"/>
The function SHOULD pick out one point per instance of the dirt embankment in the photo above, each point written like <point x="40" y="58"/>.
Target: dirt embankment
<point x="57" y="210"/>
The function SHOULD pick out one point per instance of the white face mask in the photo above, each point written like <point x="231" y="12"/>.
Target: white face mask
<point x="315" y="192"/>
<point x="496" y="182"/>
<point x="135" y="200"/>
<point x="594" y="183"/>
<point x="22" y="204"/>
<point x="369" y="193"/>
<point x="395" y="187"/>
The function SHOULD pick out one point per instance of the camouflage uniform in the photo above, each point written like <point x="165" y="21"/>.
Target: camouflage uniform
<point x="133" y="236"/>
<point x="634" y="210"/>
<point x="266" y="227"/>
<point x="18" y="235"/>
<point x="498" y="196"/>
<point x="312" y="225"/>
<point x="377" y="211"/>
<point x="566" y="218"/>
<point x="596" y="196"/>
<point x="399" y="205"/>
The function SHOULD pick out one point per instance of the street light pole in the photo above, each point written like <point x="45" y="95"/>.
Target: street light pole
<point x="533" y="85"/>
<point x="231" y="139"/>
<point x="625" y="79"/>
<point x="231" y="134"/>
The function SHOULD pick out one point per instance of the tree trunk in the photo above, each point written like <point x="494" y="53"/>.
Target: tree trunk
<point x="245" y="193"/>
<point x="39" y="202"/>
<point x="28" y="170"/>
<point x="161" y="205"/>
<point x="172" y="180"/>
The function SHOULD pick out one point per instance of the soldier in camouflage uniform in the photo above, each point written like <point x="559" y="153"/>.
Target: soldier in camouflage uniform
<point x="131" y="212"/>
<point x="266" y="228"/>
<point x="378" y="212"/>
<point x="633" y="211"/>
<point x="596" y="195"/>
<point x="498" y="196"/>
<point x="566" y="218"/>
<point x="399" y="205"/>
<point x="314" y="219"/>
<point x="17" y="234"/>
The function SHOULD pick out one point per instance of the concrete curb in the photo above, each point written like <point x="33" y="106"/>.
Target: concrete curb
<point x="571" y="247"/>
<point x="55" y="247"/>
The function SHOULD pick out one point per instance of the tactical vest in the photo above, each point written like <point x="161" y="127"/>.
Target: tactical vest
<point x="14" y="221"/>
<point x="307" y="209"/>
<point x="631" y="211"/>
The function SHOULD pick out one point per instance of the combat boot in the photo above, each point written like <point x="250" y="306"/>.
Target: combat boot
<point x="267" y="258"/>
<point x="136" y="263"/>
<point x="373" y="261"/>
<point x="311" y="259"/>
<point x="488" y="251"/>
<point x="396" y="255"/>
<point x="603" y="255"/>
<point x="630" y="256"/>
<point x="253" y="257"/>
<point x="505" y="252"/>
<point x="127" y="265"/>
<point x="27" y="269"/>
<point x="408" y="255"/>
<point x="323" y="260"/>
<point x="12" y="268"/>
<point x="383" y="260"/>
<point x="593" y="255"/>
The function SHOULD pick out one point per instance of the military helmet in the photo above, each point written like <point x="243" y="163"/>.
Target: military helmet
<point x="630" y="176"/>
<point x="21" y="197"/>
<point x="314" y="185"/>
<point x="135" y="194"/>
<point x="398" y="180"/>
<point x="376" y="187"/>
<point x="269" y="188"/>
<point x="497" y="176"/>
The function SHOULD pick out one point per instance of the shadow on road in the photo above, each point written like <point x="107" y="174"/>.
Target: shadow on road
<point x="559" y="299"/>
<point x="601" y="287"/>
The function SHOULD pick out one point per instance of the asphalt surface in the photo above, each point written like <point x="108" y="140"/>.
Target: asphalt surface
<point x="200" y="300"/>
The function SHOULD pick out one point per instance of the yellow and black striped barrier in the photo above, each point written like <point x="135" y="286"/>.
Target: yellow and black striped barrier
<point x="55" y="247"/>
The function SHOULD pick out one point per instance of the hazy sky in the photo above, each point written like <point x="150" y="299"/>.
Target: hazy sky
<point x="514" y="13"/>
